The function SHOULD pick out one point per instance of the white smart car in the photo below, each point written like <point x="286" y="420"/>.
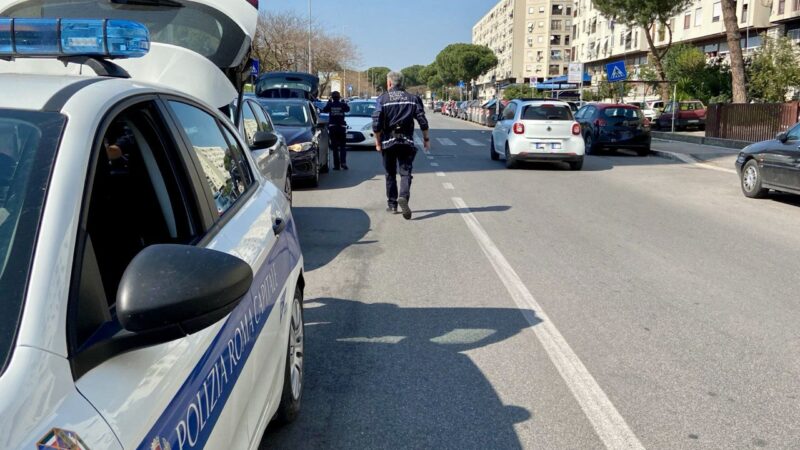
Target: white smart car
<point x="359" y="123"/>
<point x="150" y="276"/>
<point x="537" y="131"/>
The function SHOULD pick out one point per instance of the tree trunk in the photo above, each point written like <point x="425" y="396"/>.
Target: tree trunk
<point x="657" y="57"/>
<point x="737" y="60"/>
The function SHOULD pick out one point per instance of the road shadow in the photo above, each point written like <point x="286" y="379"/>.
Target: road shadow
<point x="433" y="213"/>
<point x="785" y="198"/>
<point x="326" y="232"/>
<point x="381" y="376"/>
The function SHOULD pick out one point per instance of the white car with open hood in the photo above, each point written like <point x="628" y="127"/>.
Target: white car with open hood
<point x="151" y="278"/>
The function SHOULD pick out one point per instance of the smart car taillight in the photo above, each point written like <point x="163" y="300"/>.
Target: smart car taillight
<point x="576" y="129"/>
<point x="253" y="2"/>
<point x="519" y="128"/>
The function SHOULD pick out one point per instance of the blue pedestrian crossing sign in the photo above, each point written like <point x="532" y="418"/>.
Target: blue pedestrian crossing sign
<point x="616" y="71"/>
<point x="254" y="67"/>
<point x="349" y="88"/>
<point x="461" y="84"/>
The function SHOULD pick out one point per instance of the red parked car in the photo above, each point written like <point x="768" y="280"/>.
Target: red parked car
<point x="690" y="114"/>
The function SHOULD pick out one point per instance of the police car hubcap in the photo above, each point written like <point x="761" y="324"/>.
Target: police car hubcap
<point x="750" y="177"/>
<point x="296" y="350"/>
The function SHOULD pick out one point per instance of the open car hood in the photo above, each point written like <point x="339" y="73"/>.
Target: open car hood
<point x="218" y="32"/>
<point x="287" y="85"/>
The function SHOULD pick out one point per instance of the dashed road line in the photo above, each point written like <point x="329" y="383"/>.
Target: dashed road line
<point x="434" y="164"/>
<point x="446" y="141"/>
<point x="448" y="186"/>
<point x="473" y="142"/>
<point x="604" y="417"/>
<point x="440" y="174"/>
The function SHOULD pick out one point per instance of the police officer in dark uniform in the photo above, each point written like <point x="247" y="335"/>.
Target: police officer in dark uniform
<point x="393" y="125"/>
<point x="337" y="129"/>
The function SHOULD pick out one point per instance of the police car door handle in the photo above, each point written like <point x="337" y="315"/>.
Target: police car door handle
<point x="278" y="226"/>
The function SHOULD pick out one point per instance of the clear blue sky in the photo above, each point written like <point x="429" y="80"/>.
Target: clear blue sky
<point x="393" y="37"/>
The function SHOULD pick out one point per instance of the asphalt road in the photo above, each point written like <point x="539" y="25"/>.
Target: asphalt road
<point x="642" y="302"/>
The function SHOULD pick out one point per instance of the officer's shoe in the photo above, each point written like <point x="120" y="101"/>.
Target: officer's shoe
<point x="344" y="166"/>
<point x="336" y="168"/>
<point x="403" y="202"/>
<point x="391" y="209"/>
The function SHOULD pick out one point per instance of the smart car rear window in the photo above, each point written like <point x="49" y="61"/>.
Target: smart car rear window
<point x="547" y="112"/>
<point x="28" y="143"/>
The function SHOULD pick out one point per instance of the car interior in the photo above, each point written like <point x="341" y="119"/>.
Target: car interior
<point x="136" y="200"/>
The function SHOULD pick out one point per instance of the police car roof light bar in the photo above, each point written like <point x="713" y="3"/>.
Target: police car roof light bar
<point x="68" y="38"/>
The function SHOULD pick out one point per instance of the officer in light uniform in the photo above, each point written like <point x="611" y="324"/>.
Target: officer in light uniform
<point x="393" y="125"/>
<point x="337" y="129"/>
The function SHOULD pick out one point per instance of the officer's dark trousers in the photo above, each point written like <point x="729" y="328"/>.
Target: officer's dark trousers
<point x="338" y="139"/>
<point x="401" y="156"/>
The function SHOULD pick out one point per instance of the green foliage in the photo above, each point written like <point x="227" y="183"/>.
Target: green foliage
<point x="520" y="91"/>
<point x="773" y="70"/>
<point x="606" y="91"/>
<point x="696" y="78"/>
<point x="413" y="75"/>
<point x="430" y="76"/>
<point x="464" y="62"/>
<point x="377" y="76"/>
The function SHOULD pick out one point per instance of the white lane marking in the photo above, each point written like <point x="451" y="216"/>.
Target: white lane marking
<point x="473" y="142"/>
<point x="434" y="164"/>
<point x="430" y="157"/>
<point x="440" y="174"/>
<point x="418" y="142"/>
<point x="606" y="420"/>
<point x="695" y="162"/>
<point x="448" y="186"/>
<point x="446" y="141"/>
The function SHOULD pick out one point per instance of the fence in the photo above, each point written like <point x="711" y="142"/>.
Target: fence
<point x="750" y="122"/>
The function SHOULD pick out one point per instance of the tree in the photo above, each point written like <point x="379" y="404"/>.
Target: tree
<point x="694" y="77"/>
<point x="520" y="91"/>
<point x="377" y="76"/>
<point x="649" y="15"/>
<point x="464" y="62"/>
<point x="774" y="69"/>
<point x="734" y="44"/>
<point x="413" y="75"/>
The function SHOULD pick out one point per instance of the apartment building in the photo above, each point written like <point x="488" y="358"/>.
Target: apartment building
<point x="531" y="38"/>
<point x="597" y="40"/>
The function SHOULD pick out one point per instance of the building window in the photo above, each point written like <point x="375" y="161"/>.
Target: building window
<point x="541" y="10"/>
<point x="569" y="10"/>
<point x="687" y="21"/>
<point x="531" y="10"/>
<point x="555" y="69"/>
<point x="555" y="25"/>
<point x="539" y="55"/>
<point x="744" y="13"/>
<point x="698" y="17"/>
<point x="530" y="42"/>
<point x="540" y="39"/>
<point x="716" y="12"/>
<point x="555" y="55"/>
<point x="794" y="35"/>
<point x="781" y="6"/>
<point x="555" y="39"/>
<point x="558" y="10"/>
<point x="541" y="24"/>
<point x="566" y="39"/>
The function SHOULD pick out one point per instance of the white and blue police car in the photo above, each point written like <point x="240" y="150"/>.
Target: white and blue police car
<point x="150" y="277"/>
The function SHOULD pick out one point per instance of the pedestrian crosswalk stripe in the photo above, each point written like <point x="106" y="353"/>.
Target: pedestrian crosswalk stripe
<point x="448" y="186"/>
<point x="434" y="164"/>
<point x="473" y="142"/>
<point x="445" y="141"/>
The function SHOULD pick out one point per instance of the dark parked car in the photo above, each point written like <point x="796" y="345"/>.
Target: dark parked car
<point x="289" y="99"/>
<point x="690" y="114"/>
<point x="606" y="125"/>
<point x="773" y="164"/>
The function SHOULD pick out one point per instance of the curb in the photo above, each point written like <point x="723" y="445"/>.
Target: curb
<point x="700" y="140"/>
<point x="690" y="160"/>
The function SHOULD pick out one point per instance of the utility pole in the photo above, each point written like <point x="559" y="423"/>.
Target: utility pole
<point x="309" y="36"/>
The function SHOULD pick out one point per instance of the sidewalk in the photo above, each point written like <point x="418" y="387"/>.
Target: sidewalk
<point x="708" y="156"/>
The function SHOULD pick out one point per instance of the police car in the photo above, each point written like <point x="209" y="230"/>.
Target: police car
<point x="150" y="277"/>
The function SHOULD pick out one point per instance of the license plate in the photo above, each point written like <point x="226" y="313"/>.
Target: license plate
<point x="546" y="146"/>
<point x="694" y="121"/>
<point x="555" y="146"/>
<point x="350" y="135"/>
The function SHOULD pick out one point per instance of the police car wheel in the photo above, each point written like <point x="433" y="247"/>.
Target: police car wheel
<point x="492" y="151"/>
<point x="292" y="394"/>
<point x="511" y="163"/>
<point x="287" y="189"/>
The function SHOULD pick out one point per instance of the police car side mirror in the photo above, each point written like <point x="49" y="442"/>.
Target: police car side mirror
<point x="169" y="291"/>
<point x="322" y="123"/>
<point x="263" y="139"/>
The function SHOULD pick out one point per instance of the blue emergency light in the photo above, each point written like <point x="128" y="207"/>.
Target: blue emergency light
<point x="64" y="38"/>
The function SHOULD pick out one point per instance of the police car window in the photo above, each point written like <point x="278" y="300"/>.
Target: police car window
<point x="242" y="170"/>
<point x="249" y="123"/>
<point x="28" y="144"/>
<point x="218" y="164"/>
<point x="139" y="197"/>
<point x="362" y="109"/>
<point x="510" y="111"/>
<point x="547" y="112"/>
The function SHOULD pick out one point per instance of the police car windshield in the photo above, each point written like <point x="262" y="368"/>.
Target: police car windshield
<point x="28" y="143"/>
<point x="362" y="109"/>
<point x="288" y="114"/>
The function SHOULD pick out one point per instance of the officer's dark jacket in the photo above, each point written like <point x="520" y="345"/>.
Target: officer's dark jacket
<point x="394" y="117"/>
<point x="336" y="112"/>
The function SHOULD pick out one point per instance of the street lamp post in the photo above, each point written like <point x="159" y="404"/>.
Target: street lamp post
<point x="309" y="36"/>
